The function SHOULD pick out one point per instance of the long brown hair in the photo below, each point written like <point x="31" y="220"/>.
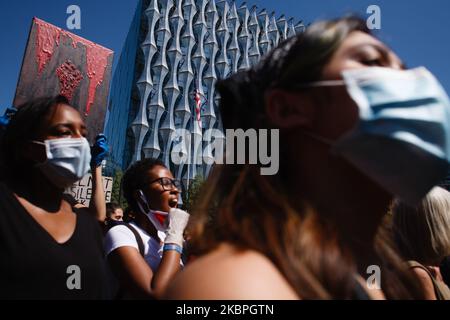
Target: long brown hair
<point x="252" y="211"/>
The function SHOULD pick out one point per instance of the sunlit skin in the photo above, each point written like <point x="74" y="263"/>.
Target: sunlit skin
<point x="425" y="282"/>
<point x="127" y="263"/>
<point x="337" y="112"/>
<point x="328" y="182"/>
<point x="337" y="190"/>
<point x="157" y="197"/>
<point x="334" y="187"/>
<point x="64" y="122"/>
<point x="47" y="205"/>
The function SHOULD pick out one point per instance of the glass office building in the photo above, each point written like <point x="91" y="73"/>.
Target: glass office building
<point x="164" y="82"/>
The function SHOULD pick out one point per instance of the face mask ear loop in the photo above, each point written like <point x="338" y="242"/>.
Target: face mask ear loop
<point x="323" y="83"/>
<point x="38" y="142"/>
<point x="314" y="136"/>
<point x="149" y="213"/>
<point x="329" y="83"/>
<point x="141" y="194"/>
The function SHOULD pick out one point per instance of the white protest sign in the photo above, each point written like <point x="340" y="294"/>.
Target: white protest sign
<point x="82" y="190"/>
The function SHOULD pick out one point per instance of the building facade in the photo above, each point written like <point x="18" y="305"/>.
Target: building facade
<point x="164" y="83"/>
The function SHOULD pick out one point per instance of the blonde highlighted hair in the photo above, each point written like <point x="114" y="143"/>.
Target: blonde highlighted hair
<point x="422" y="233"/>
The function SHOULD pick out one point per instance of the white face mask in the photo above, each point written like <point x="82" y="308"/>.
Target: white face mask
<point x="68" y="160"/>
<point x="157" y="218"/>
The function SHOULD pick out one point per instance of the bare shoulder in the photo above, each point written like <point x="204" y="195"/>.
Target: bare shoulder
<point x="425" y="282"/>
<point x="227" y="273"/>
<point x="422" y="276"/>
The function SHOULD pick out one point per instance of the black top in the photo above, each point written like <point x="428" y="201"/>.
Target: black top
<point x="34" y="266"/>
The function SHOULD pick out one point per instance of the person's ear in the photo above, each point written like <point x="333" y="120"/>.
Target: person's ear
<point x="289" y="109"/>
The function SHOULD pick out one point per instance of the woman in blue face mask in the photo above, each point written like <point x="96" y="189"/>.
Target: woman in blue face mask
<point x="48" y="248"/>
<point x="356" y="130"/>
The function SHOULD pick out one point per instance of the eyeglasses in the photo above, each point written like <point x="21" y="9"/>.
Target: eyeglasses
<point x="168" y="184"/>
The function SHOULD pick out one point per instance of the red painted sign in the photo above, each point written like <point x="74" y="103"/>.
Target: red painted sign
<point x="59" y="62"/>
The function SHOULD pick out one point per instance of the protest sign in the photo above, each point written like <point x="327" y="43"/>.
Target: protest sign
<point x="60" y="62"/>
<point x="82" y="190"/>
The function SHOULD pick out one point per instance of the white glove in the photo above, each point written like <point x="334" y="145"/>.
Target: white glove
<point x="178" y="220"/>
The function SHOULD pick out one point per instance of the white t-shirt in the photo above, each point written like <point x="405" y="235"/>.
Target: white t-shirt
<point x="121" y="236"/>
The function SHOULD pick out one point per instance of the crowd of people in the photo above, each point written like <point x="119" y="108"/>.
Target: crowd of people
<point x="364" y="144"/>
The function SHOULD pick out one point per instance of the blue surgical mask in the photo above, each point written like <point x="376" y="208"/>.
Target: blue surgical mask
<point x="402" y="138"/>
<point x="68" y="160"/>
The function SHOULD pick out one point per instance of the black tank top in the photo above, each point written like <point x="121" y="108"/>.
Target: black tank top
<point x="34" y="266"/>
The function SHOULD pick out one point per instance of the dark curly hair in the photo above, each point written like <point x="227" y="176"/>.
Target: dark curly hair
<point x="23" y="128"/>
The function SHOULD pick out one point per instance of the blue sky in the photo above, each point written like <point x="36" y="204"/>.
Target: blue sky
<point x="417" y="30"/>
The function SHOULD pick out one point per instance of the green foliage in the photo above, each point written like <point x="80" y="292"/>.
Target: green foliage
<point x="116" y="194"/>
<point x="191" y="195"/>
